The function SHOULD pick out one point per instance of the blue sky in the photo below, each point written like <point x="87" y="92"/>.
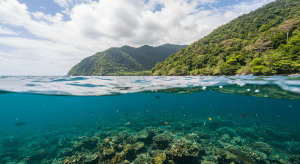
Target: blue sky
<point x="48" y="37"/>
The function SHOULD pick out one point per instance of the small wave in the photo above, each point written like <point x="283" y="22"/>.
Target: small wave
<point x="95" y="85"/>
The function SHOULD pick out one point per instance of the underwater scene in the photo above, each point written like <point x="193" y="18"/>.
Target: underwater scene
<point x="149" y="120"/>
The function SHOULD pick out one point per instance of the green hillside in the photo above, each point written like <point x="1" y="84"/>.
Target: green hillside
<point x="254" y="43"/>
<point x="124" y="61"/>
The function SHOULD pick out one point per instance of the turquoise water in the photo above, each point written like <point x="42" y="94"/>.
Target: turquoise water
<point x="203" y="126"/>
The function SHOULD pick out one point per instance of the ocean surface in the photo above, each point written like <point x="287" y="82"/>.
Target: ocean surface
<point x="142" y="119"/>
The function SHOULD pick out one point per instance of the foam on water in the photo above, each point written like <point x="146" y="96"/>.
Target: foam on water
<point x="106" y="85"/>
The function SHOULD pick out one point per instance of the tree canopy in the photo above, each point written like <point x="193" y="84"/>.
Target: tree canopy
<point x="125" y="60"/>
<point x="263" y="42"/>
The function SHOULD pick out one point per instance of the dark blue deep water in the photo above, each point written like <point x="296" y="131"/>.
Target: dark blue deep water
<point x="203" y="126"/>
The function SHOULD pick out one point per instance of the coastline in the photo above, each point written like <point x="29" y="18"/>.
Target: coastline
<point x="294" y="74"/>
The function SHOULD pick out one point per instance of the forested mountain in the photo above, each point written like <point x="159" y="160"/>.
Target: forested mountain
<point x="117" y="61"/>
<point x="263" y="42"/>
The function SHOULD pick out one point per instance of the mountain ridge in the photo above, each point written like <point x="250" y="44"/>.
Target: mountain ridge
<point x="117" y="60"/>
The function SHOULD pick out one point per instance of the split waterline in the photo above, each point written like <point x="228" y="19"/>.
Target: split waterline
<point x="183" y="119"/>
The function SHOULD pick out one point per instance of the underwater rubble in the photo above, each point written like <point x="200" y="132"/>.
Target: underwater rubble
<point x="182" y="141"/>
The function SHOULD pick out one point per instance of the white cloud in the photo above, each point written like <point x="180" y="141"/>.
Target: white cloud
<point x="67" y="4"/>
<point x="97" y="26"/>
<point x="53" y="19"/>
<point x="37" y="57"/>
<point x="13" y="13"/>
<point x="63" y="3"/>
<point x="7" y="31"/>
<point x="246" y="7"/>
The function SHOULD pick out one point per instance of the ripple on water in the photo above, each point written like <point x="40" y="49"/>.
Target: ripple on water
<point x="99" y="85"/>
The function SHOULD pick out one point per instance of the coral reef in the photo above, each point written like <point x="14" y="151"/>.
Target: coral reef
<point x="159" y="157"/>
<point x="184" y="140"/>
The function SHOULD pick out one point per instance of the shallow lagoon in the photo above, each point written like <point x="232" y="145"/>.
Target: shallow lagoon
<point x="150" y="119"/>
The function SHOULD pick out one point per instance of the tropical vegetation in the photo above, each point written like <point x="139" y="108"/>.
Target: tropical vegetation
<point x="263" y="42"/>
<point x="124" y="61"/>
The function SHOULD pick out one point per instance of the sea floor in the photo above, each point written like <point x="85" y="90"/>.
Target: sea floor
<point x="158" y="139"/>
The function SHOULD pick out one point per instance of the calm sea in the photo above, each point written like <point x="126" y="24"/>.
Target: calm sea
<point x="61" y="119"/>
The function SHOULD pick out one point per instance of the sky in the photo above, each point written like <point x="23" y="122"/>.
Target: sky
<point x="48" y="37"/>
